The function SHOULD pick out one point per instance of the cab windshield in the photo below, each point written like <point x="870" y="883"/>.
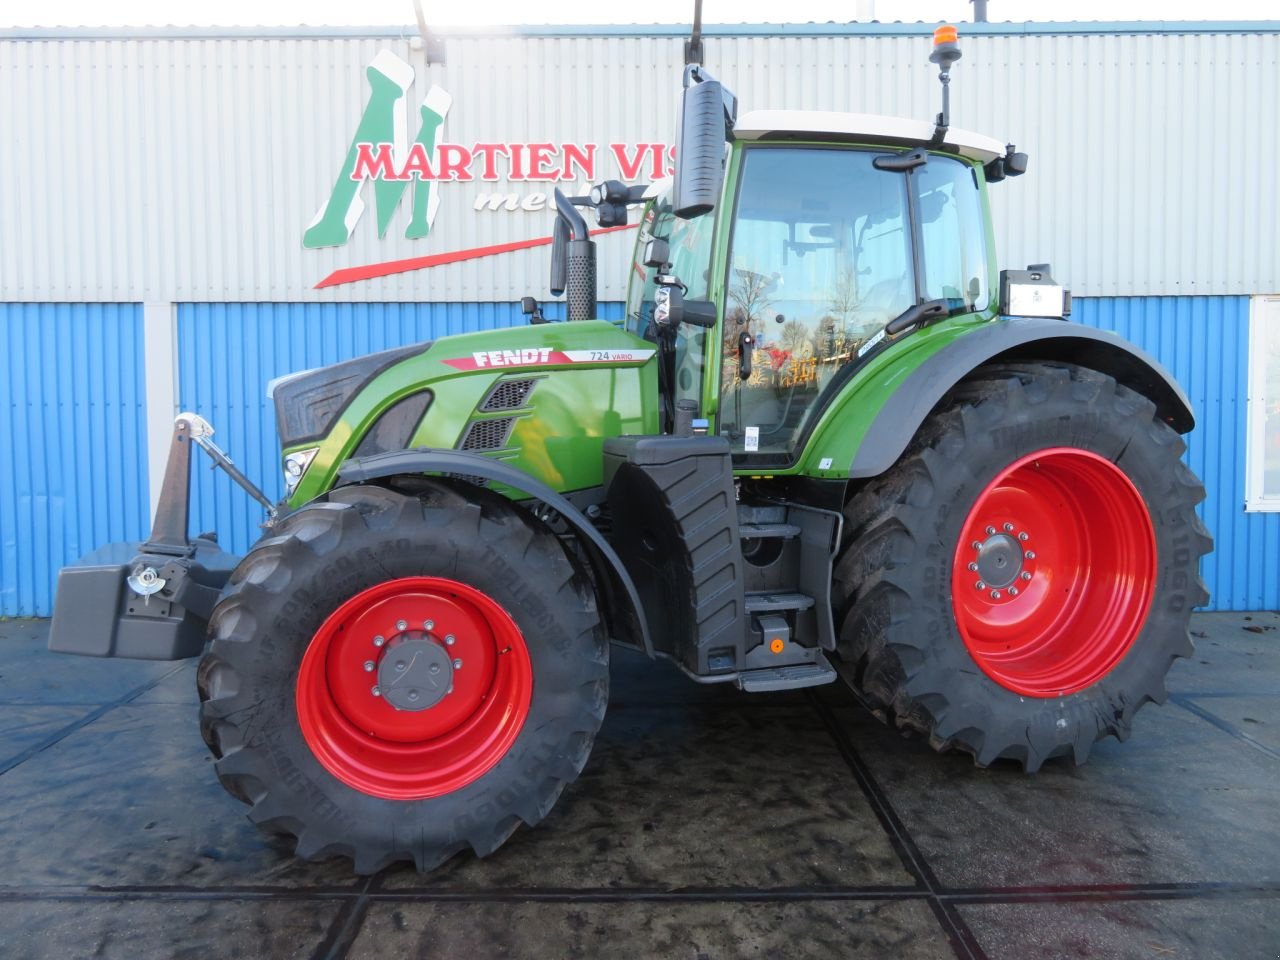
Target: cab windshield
<point x="827" y="249"/>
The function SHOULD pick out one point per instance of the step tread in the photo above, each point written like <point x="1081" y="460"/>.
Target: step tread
<point x="790" y="677"/>
<point x="754" y="531"/>
<point x="763" y="602"/>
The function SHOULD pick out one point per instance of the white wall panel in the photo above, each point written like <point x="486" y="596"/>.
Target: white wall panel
<point x="162" y="168"/>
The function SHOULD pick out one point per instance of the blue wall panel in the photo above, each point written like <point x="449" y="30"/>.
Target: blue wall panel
<point x="73" y="471"/>
<point x="71" y="387"/>
<point x="228" y="351"/>
<point x="1204" y="342"/>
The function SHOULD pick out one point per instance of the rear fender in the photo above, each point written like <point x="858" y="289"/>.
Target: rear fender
<point x="904" y="410"/>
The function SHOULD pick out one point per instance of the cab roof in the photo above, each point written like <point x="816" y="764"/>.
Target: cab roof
<point x="862" y="128"/>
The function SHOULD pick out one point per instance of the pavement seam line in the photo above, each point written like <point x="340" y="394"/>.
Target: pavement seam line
<point x="60" y="735"/>
<point x="1187" y="702"/>
<point x="962" y="940"/>
<point x="976" y="896"/>
<point x="346" y="925"/>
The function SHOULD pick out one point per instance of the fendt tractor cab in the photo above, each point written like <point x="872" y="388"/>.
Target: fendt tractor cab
<point x="828" y="440"/>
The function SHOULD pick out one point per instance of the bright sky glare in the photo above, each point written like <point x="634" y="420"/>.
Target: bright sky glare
<point x="495" y="12"/>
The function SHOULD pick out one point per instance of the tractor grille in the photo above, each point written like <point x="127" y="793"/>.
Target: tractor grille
<point x="487" y="434"/>
<point x="508" y="395"/>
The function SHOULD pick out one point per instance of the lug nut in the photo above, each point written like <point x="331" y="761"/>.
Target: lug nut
<point x="428" y="624"/>
<point x="1008" y="528"/>
<point x="368" y="666"/>
<point x="1025" y="575"/>
<point x="976" y="545"/>
<point x="379" y="640"/>
<point x="973" y="568"/>
<point x="990" y="531"/>
<point x="1023" y="536"/>
<point x="1013" y="591"/>
<point x="449" y="640"/>
<point x="376" y="692"/>
<point x="1030" y="554"/>
<point x="979" y="585"/>
<point x="401" y="625"/>
<point x="457" y="664"/>
<point x="995" y="594"/>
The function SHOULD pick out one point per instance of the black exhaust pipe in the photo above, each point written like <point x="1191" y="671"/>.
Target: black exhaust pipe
<point x="573" y="260"/>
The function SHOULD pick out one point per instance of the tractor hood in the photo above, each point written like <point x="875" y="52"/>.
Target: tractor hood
<point x="542" y="397"/>
<point x="308" y="402"/>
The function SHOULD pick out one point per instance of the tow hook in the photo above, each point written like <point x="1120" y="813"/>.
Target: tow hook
<point x="144" y="582"/>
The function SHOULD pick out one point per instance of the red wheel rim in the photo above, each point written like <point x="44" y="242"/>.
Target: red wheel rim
<point x="468" y="710"/>
<point x="1054" y="572"/>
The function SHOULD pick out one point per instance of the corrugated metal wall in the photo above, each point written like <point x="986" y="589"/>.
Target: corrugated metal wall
<point x="187" y="170"/>
<point x="1204" y="342"/>
<point x="73" y="472"/>
<point x="69" y="369"/>
<point x="228" y="352"/>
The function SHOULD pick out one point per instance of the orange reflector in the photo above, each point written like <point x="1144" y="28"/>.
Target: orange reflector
<point x="776" y="645"/>
<point x="944" y="34"/>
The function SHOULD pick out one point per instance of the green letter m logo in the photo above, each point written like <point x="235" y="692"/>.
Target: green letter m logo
<point x="384" y="121"/>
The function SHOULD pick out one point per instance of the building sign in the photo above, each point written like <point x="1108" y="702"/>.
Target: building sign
<point x="383" y="161"/>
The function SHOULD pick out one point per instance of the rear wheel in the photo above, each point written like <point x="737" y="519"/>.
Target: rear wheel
<point x="1019" y="584"/>
<point x="400" y="677"/>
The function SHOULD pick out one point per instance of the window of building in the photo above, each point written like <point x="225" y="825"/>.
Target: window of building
<point x="1262" y="482"/>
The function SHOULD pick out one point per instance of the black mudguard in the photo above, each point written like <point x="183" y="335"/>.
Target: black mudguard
<point x="1007" y="340"/>
<point x="621" y="605"/>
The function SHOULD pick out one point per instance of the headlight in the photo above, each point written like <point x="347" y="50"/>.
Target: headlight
<point x="295" y="465"/>
<point x="662" y="306"/>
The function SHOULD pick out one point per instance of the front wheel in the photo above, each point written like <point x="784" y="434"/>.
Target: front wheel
<point x="1019" y="584"/>
<point x="400" y="677"/>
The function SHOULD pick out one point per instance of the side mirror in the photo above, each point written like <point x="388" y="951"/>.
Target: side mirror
<point x="559" y="257"/>
<point x="1015" y="164"/>
<point x="699" y="146"/>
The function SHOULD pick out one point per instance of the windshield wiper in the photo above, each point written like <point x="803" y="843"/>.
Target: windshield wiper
<point x="917" y="315"/>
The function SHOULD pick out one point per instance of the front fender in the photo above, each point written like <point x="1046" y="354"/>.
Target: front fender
<point x="610" y="573"/>
<point x="903" y="410"/>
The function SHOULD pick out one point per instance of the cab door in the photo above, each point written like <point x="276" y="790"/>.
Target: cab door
<point x="826" y="248"/>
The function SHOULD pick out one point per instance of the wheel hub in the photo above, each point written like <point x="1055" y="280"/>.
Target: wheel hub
<point x="999" y="560"/>
<point x="414" y="672"/>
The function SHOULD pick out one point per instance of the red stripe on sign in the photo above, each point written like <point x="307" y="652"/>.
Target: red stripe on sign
<point x="370" y="271"/>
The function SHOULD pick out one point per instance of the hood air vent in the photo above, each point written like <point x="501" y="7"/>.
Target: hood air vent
<point x="508" y="395"/>
<point x="487" y="434"/>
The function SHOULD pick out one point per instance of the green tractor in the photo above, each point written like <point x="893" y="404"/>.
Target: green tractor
<point x="828" y="440"/>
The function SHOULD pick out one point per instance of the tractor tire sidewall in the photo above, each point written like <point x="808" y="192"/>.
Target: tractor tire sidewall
<point x="962" y="454"/>
<point x="328" y="552"/>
